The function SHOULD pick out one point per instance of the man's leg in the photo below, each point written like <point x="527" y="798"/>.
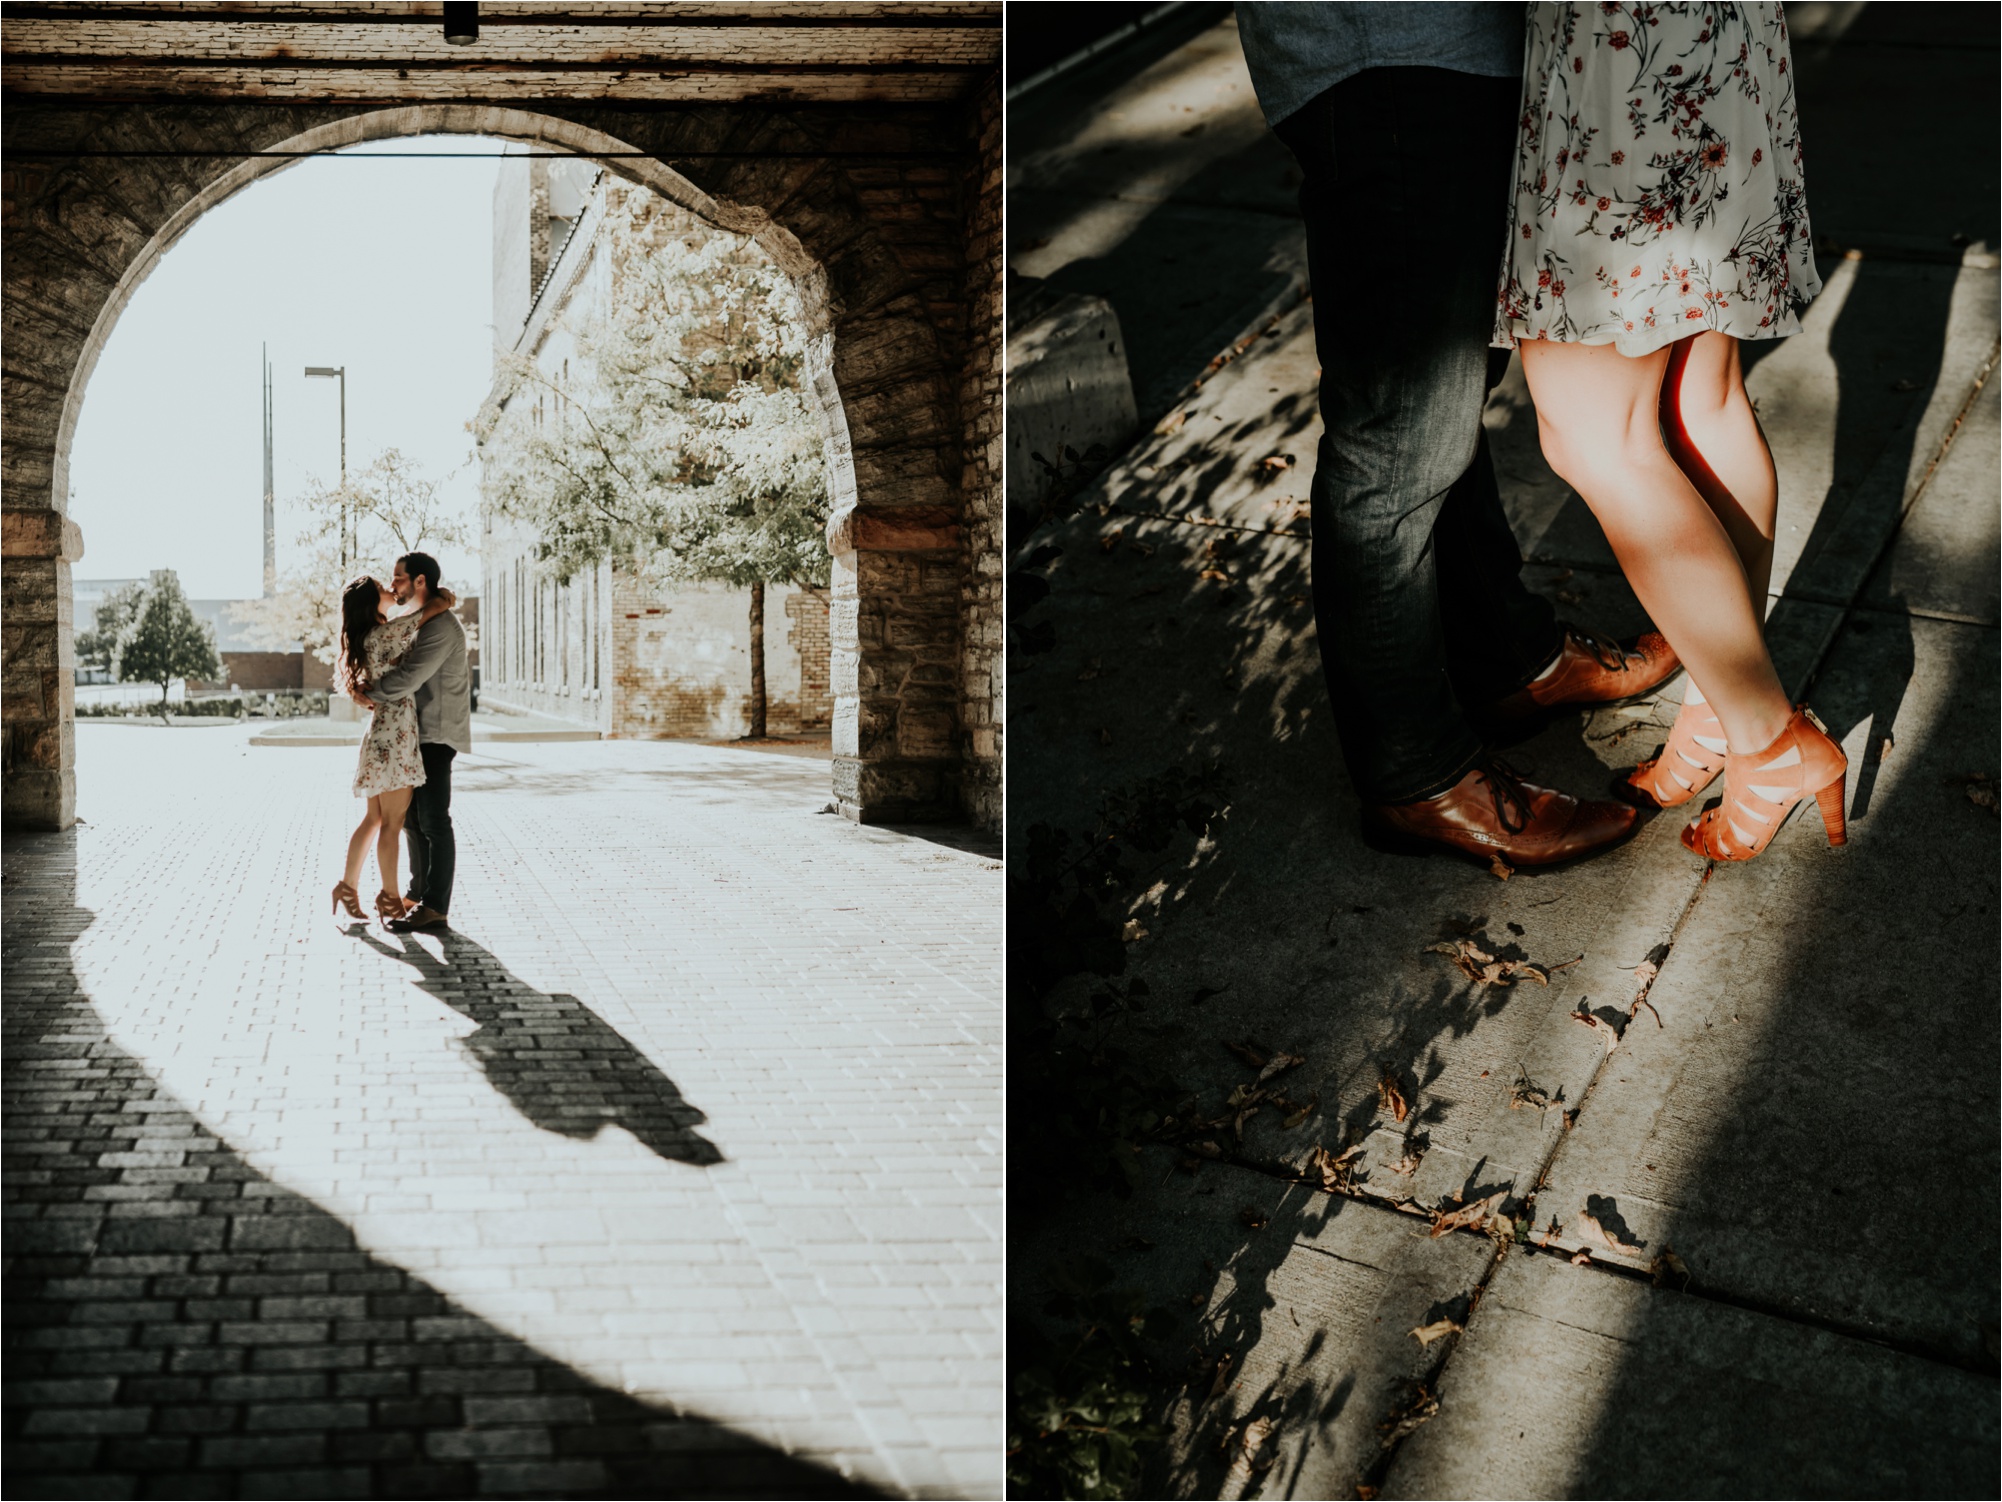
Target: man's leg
<point x="1404" y="175"/>
<point x="1499" y="634"/>
<point x="431" y="823"/>
<point x="415" y="845"/>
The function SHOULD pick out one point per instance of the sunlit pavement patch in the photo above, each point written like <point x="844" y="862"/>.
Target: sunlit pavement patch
<point x="700" y="1098"/>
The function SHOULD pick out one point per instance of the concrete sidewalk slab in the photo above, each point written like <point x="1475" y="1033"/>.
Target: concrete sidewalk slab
<point x="1822" y="1011"/>
<point x="1161" y="191"/>
<point x="1571" y="1382"/>
<point x="1949" y="551"/>
<point x="1314" y="1309"/>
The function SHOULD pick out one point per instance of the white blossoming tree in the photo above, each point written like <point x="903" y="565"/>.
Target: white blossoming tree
<point x="681" y="444"/>
<point x="389" y="508"/>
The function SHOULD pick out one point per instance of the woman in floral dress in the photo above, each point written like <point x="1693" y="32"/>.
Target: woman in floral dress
<point x="390" y="766"/>
<point x="1659" y="217"/>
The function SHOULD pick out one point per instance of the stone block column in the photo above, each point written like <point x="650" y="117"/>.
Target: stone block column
<point x="894" y="662"/>
<point x="38" y="668"/>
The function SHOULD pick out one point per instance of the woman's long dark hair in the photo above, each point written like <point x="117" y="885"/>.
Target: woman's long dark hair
<point x="361" y="603"/>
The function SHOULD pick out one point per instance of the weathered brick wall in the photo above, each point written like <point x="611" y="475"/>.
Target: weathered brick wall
<point x="265" y="672"/>
<point x="980" y="403"/>
<point x="682" y="662"/>
<point x="807" y="611"/>
<point x="882" y="275"/>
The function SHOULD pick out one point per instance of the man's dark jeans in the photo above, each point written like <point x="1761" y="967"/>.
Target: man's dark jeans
<point x="434" y="854"/>
<point x="1418" y="596"/>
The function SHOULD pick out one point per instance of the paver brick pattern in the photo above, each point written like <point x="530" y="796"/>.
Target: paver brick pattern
<point x="674" y="1169"/>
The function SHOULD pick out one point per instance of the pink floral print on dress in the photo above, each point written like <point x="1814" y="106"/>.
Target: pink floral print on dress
<point x="1659" y="186"/>
<point x="389" y="755"/>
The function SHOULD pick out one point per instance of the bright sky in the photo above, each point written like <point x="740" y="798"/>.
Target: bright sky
<point x="382" y="266"/>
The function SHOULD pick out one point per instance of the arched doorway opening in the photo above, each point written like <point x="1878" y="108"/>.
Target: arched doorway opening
<point x="914" y="617"/>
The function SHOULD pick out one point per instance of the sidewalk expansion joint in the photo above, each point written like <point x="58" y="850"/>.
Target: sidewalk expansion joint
<point x="1847" y="1329"/>
<point x="1890" y="537"/>
<point x="1378" y="1469"/>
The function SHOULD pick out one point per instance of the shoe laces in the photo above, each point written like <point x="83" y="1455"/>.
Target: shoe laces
<point x="1510" y="796"/>
<point x="1613" y="657"/>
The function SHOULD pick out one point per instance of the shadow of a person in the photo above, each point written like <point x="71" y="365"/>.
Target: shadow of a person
<point x="558" y="1062"/>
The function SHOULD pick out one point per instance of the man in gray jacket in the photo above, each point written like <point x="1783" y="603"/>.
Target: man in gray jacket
<point x="434" y="672"/>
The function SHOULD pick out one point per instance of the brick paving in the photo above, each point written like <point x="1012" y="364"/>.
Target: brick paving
<point x="674" y="1170"/>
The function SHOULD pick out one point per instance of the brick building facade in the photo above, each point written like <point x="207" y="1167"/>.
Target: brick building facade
<point x="604" y="648"/>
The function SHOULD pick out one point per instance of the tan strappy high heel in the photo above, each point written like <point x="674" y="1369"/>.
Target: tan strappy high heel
<point x="1685" y="766"/>
<point x="388" y="905"/>
<point x="347" y="897"/>
<point x="1761" y="789"/>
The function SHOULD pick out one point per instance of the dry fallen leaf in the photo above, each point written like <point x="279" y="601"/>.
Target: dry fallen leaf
<point x="1111" y="540"/>
<point x="1607" y="1036"/>
<point x="1667" y="1266"/>
<point x="1172" y="423"/>
<point x="1981" y="791"/>
<point x="1590" y="1229"/>
<point x="1206" y="1149"/>
<point x="1295" y="1117"/>
<point x="1245" y="1052"/>
<point x="1477" y="964"/>
<point x="1390" y="1098"/>
<point x="1405" y="1420"/>
<point x="1256" y="1219"/>
<point x="1404" y="1167"/>
<point x="1439" y="1329"/>
<point x="1581" y="1258"/>
<point x="1474" y="1215"/>
<point x="1526" y="1092"/>
<point x="1221" y="1377"/>
<point x="1245" y="1464"/>
<point x="1501" y="868"/>
<point x="1215" y="573"/>
<point x="1278" y="1063"/>
<point x="1133" y="931"/>
<point x="1333" y="1169"/>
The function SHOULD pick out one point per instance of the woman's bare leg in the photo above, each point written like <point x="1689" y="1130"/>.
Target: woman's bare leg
<point x="1712" y="433"/>
<point x="394" y="804"/>
<point x="360" y="840"/>
<point x="1597" y="413"/>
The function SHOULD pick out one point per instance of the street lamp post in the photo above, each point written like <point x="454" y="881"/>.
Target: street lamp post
<point x="340" y="709"/>
<point x="340" y="372"/>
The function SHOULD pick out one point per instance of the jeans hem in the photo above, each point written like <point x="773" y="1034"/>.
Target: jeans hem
<point x="1440" y="785"/>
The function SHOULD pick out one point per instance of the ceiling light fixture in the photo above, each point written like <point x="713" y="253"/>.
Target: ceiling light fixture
<point x="462" y="22"/>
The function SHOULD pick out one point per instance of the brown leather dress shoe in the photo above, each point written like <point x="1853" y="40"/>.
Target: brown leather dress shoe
<point x="1591" y="669"/>
<point x="1492" y="812"/>
<point x="419" y="920"/>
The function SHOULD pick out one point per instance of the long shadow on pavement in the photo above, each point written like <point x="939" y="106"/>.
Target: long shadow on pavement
<point x="180" y="1325"/>
<point x="558" y="1062"/>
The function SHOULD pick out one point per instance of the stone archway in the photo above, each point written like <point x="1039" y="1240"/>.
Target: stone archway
<point x="888" y="220"/>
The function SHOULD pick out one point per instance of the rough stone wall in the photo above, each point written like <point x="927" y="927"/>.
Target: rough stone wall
<point x="882" y="264"/>
<point x="982" y="673"/>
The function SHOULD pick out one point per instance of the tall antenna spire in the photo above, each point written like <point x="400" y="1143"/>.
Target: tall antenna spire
<point x="270" y="516"/>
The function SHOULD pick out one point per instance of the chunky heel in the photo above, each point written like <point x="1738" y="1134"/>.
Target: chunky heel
<point x="1761" y="789"/>
<point x="1832" y="816"/>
